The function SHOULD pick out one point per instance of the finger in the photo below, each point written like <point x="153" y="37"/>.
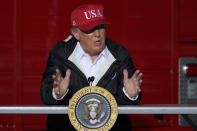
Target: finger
<point x="55" y="84"/>
<point x="125" y="73"/>
<point x="58" y="74"/>
<point x="140" y="82"/>
<point x="54" y="77"/>
<point x="136" y="73"/>
<point x="138" y="88"/>
<point x="68" y="73"/>
<point x="57" y="70"/>
<point x="139" y="76"/>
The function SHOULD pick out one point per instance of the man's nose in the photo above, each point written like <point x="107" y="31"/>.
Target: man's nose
<point x="97" y="33"/>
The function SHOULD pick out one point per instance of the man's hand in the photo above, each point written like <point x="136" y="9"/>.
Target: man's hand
<point x="132" y="85"/>
<point x="61" y="84"/>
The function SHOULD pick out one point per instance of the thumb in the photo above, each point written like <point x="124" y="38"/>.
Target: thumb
<point x="68" y="73"/>
<point x="125" y="73"/>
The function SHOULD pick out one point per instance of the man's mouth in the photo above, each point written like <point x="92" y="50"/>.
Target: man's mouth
<point x="98" y="42"/>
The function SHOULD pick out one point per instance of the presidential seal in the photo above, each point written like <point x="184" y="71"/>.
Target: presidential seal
<point x="93" y="108"/>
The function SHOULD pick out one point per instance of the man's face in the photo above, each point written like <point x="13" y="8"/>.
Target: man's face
<point x="93" y="41"/>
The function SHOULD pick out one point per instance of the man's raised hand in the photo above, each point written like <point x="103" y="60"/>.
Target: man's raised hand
<point x="132" y="85"/>
<point x="60" y="84"/>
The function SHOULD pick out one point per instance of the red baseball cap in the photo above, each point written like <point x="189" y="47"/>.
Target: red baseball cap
<point x="86" y="17"/>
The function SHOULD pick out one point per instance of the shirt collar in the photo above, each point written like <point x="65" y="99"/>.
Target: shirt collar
<point x="80" y="52"/>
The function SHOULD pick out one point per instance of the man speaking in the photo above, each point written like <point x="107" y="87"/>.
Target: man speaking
<point x="86" y="58"/>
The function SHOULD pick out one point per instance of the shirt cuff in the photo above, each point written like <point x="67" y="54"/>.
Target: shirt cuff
<point x="133" y="99"/>
<point x="55" y="97"/>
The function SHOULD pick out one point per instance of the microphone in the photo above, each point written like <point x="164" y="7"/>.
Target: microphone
<point x="90" y="80"/>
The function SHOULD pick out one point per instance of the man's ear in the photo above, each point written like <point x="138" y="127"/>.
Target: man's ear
<point x="75" y="33"/>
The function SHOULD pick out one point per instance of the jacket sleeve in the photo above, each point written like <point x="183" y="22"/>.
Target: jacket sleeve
<point x="54" y="62"/>
<point x="122" y="99"/>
